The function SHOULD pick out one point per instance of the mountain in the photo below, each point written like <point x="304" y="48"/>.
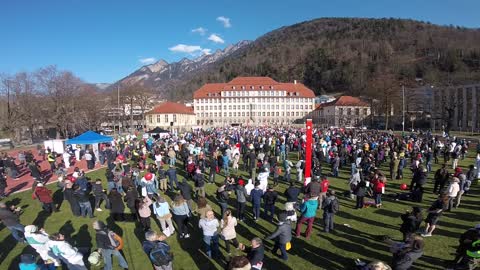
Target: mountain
<point x="350" y="55"/>
<point x="161" y="75"/>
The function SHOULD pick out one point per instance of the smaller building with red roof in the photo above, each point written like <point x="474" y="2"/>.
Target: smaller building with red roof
<point x="345" y="111"/>
<point x="170" y="115"/>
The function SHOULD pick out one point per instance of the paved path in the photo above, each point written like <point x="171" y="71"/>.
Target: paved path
<point x="25" y="181"/>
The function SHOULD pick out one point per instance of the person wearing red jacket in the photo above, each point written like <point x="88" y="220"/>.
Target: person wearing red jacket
<point x="378" y="190"/>
<point x="323" y="191"/>
<point x="44" y="195"/>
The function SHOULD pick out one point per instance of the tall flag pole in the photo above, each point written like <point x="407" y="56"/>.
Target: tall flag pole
<point x="308" y="152"/>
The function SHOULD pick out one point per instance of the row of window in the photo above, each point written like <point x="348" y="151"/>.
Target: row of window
<point x="165" y="118"/>
<point x="253" y="107"/>
<point x="247" y="114"/>
<point x="253" y="100"/>
<point x="348" y="111"/>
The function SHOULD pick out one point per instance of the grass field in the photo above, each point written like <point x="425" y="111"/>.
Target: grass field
<point x="358" y="232"/>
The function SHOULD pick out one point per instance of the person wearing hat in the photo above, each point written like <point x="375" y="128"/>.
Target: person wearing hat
<point x="11" y="221"/>
<point x="269" y="199"/>
<point x="44" y="195"/>
<point x="107" y="246"/>
<point x="38" y="239"/>
<point x="241" y="194"/>
<point x="282" y="235"/>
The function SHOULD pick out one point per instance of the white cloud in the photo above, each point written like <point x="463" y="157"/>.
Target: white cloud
<point x="225" y="21"/>
<point x="192" y="50"/>
<point x="200" y="30"/>
<point x="206" y="51"/>
<point x="147" y="61"/>
<point x="215" y="38"/>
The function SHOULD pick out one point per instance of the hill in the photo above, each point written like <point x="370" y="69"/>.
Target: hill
<point x="351" y="55"/>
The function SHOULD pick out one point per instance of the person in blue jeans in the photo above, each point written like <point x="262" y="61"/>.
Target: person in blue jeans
<point x="83" y="201"/>
<point x="209" y="226"/>
<point x="10" y="219"/>
<point x="104" y="244"/>
<point x="226" y="163"/>
<point x="172" y="177"/>
<point x="256" y="197"/>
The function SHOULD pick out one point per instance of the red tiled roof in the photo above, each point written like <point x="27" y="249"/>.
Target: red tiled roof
<point x="252" y="84"/>
<point x="171" y="107"/>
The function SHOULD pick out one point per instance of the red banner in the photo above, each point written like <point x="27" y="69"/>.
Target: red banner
<point x="308" y="152"/>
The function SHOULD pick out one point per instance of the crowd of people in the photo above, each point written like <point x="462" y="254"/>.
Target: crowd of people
<point x="142" y="175"/>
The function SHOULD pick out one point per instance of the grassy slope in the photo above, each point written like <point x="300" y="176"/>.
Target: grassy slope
<point x="323" y="251"/>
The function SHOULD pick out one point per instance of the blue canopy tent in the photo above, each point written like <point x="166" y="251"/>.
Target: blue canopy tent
<point x="89" y="137"/>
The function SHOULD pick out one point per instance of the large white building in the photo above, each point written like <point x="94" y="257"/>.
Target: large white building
<point x="343" y="112"/>
<point x="252" y="101"/>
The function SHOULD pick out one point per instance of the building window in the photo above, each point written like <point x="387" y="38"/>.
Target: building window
<point x="174" y="118"/>
<point x="288" y="113"/>
<point x="224" y="114"/>
<point x="230" y="114"/>
<point x="243" y="107"/>
<point x="268" y="113"/>
<point x="248" y="114"/>
<point x="234" y="114"/>
<point x="263" y="113"/>
<point x="298" y="114"/>
<point x="357" y="111"/>
<point x="349" y="111"/>
<point x="296" y="107"/>
<point x="365" y="111"/>
<point x="301" y="107"/>
<point x="224" y="107"/>
<point x="340" y="111"/>
<point x="150" y="119"/>
<point x="158" y="118"/>
<point x="166" y="118"/>
<point x="215" y="114"/>
<point x="234" y="107"/>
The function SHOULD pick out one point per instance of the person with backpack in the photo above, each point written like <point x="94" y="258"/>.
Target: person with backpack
<point x="108" y="244"/>
<point x="158" y="251"/>
<point x="330" y="208"/>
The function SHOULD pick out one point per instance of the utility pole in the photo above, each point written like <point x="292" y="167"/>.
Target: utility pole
<point x="403" y="109"/>
<point x="118" y="107"/>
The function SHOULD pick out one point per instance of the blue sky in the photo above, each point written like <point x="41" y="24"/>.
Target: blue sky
<point x="104" y="40"/>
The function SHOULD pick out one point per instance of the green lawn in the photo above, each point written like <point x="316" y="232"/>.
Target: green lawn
<point x="360" y="239"/>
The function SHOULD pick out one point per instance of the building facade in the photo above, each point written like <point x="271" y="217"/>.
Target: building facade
<point x="252" y="101"/>
<point x="345" y="111"/>
<point x="171" y="116"/>
<point x="459" y="103"/>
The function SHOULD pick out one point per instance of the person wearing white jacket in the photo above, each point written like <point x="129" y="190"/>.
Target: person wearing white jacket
<point x="452" y="192"/>
<point x="249" y="186"/>
<point x="68" y="254"/>
<point x="263" y="178"/>
<point x="38" y="240"/>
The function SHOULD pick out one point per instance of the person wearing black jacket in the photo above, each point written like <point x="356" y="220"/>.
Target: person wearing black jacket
<point x="269" y="199"/>
<point x="360" y="192"/>
<point x="83" y="200"/>
<point x="213" y="163"/>
<point x="222" y="198"/>
<point x="186" y="191"/>
<point x="105" y="245"/>
<point x="199" y="180"/>
<point x="292" y="192"/>
<point x="99" y="194"/>
<point x="117" y="207"/>
<point x="255" y="253"/>
<point x="130" y="198"/>
<point x="441" y="178"/>
<point x="411" y="221"/>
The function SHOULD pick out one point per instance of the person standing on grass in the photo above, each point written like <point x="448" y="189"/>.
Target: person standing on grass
<point x="117" y="207"/>
<point x="158" y="251"/>
<point x="441" y="178"/>
<point x="99" y="194"/>
<point x="222" y="198"/>
<point x="411" y="221"/>
<point x="144" y="212"/>
<point x="308" y="211"/>
<point x="162" y="210"/>
<point x="162" y="178"/>
<point x="202" y="207"/>
<point x="181" y="213"/>
<point x="107" y="245"/>
<point x="452" y="192"/>
<point x="83" y="200"/>
<point x="330" y="208"/>
<point x="186" y="191"/>
<point x="199" y="181"/>
<point x="269" y="199"/>
<point x="241" y="194"/>
<point x="229" y="234"/>
<point x="11" y="221"/>
<point x="172" y="177"/>
<point x="66" y="252"/>
<point x="434" y="213"/>
<point x="44" y="195"/>
<point x="209" y="226"/>
<point x="282" y="235"/>
<point x="378" y="190"/>
<point x="256" y="197"/>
